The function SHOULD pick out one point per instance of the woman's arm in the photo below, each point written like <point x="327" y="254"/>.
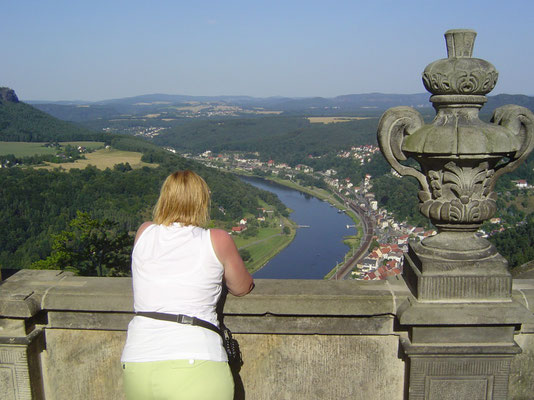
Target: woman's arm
<point x="238" y="280"/>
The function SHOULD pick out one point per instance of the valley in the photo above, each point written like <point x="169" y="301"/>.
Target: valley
<point x="325" y="147"/>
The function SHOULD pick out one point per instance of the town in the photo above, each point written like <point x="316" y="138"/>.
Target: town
<point x="384" y="256"/>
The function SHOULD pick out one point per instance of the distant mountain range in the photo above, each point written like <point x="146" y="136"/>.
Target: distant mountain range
<point x="369" y="100"/>
<point x="368" y="103"/>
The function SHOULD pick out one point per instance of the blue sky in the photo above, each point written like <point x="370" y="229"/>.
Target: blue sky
<point x="95" y="50"/>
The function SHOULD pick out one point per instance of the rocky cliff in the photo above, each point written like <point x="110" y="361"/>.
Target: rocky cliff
<point x="7" y="94"/>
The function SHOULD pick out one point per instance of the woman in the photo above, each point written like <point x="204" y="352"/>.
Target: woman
<point x="179" y="268"/>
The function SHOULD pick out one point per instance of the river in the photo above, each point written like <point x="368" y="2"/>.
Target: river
<point x="315" y="250"/>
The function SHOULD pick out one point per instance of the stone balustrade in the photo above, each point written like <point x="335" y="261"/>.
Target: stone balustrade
<point x="61" y="337"/>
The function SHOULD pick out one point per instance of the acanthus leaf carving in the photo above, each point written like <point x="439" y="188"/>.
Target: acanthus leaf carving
<point x="459" y="194"/>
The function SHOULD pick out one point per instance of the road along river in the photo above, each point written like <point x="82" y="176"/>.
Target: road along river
<point x="316" y="249"/>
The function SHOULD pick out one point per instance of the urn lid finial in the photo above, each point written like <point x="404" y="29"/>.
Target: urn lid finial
<point x="460" y="42"/>
<point x="459" y="84"/>
<point x="460" y="73"/>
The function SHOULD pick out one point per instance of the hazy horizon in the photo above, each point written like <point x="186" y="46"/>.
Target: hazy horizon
<point x="44" y="101"/>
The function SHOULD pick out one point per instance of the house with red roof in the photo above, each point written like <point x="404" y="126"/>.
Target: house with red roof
<point x="403" y="239"/>
<point x="521" y="183"/>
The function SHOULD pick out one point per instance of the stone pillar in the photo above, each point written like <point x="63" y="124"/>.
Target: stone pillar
<point x="20" y="372"/>
<point x="461" y="318"/>
<point x="22" y="335"/>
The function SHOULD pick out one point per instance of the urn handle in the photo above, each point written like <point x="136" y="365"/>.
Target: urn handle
<point x="520" y="121"/>
<point x="395" y="124"/>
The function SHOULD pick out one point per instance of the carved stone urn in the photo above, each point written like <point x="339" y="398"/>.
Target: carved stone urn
<point x="460" y="159"/>
<point x="460" y="318"/>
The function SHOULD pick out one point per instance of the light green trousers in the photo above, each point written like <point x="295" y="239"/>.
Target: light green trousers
<point x="177" y="380"/>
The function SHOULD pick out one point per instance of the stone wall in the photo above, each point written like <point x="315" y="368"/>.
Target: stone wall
<point x="61" y="337"/>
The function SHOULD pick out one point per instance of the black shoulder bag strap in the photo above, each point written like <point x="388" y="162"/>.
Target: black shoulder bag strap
<point x="230" y="344"/>
<point x="181" y="319"/>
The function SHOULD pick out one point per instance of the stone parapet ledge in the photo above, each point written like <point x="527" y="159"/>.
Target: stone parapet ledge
<point x="61" y="300"/>
<point x="57" y="328"/>
<point x="523" y="293"/>
<point x="56" y="299"/>
<point x="317" y="307"/>
<point x="22" y="294"/>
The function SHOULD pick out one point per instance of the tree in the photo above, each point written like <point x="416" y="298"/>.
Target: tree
<point x="251" y="231"/>
<point x="90" y="247"/>
<point x="374" y="244"/>
<point x="122" y="167"/>
<point x="245" y="255"/>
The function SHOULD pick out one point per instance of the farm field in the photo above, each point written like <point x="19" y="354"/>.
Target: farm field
<point x="26" y="149"/>
<point x="104" y="158"/>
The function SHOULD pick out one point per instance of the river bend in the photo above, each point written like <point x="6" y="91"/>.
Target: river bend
<point x="315" y="250"/>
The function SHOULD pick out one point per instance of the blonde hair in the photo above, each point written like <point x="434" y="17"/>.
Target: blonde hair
<point x="184" y="198"/>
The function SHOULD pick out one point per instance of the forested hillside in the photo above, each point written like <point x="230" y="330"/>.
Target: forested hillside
<point x="516" y="245"/>
<point x="283" y="139"/>
<point x="34" y="204"/>
<point x="38" y="206"/>
<point x="20" y="122"/>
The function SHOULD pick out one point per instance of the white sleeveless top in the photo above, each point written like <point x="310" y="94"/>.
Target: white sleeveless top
<point x="174" y="270"/>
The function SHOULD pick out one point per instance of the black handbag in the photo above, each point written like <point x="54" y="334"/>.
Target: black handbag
<point x="232" y="348"/>
<point x="230" y="344"/>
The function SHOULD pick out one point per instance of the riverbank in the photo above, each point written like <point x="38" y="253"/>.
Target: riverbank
<point x="267" y="244"/>
<point x="352" y="241"/>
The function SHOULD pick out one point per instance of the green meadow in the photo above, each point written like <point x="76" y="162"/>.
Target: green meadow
<point x="269" y="242"/>
<point x="26" y="149"/>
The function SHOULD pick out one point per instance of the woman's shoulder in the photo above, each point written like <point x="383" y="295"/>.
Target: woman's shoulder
<point x="220" y="235"/>
<point x="145" y="225"/>
<point x="142" y="228"/>
<point x="222" y="243"/>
